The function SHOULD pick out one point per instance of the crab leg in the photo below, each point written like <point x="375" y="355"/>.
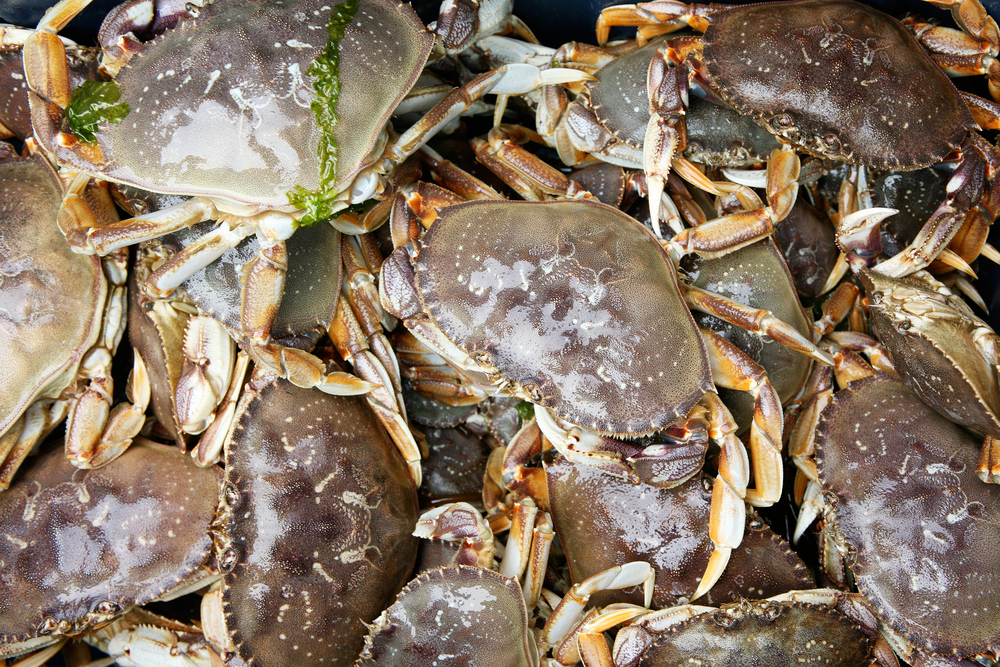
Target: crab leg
<point x="514" y="79"/>
<point x="96" y="434"/>
<point x="461" y="523"/>
<point x="88" y="239"/>
<point x="385" y="398"/>
<point x="753" y="319"/>
<point x="734" y="231"/>
<point x="733" y="369"/>
<point x="22" y="436"/>
<point x="964" y="190"/>
<point x="569" y="611"/>
<point x="265" y="282"/>
<point x="665" y="16"/>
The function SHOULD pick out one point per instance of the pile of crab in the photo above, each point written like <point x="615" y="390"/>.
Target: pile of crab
<point x="446" y="347"/>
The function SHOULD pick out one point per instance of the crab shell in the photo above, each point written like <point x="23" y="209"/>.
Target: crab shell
<point x="716" y="135"/>
<point x="603" y="521"/>
<point x="932" y="341"/>
<point x="51" y="299"/>
<point x="82" y="546"/>
<point x="773" y="633"/>
<point x="572" y="304"/>
<point x="321" y="510"/>
<point x="460" y="615"/>
<point x="837" y="78"/>
<point x="923" y="530"/>
<point x="219" y="105"/>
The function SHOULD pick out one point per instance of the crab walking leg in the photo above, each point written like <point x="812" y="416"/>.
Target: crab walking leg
<point x="736" y="230"/>
<point x="89" y="239"/>
<point x="570" y="610"/>
<point x="964" y="189"/>
<point x="514" y="79"/>
<point x="96" y="434"/>
<point x="22" y="436"/>
<point x="384" y="398"/>
<point x="518" y="547"/>
<point x="594" y="650"/>
<point x="538" y="559"/>
<point x="988" y="467"/>
<point x="753" y="319"/>
<point x="532" y="178"/>
<point x="733" y="369"/>
<point x="664" y="16"/>
<point x="265" y="283"/>
<point x="970" y="51"/>
<point x="586" y="641"/>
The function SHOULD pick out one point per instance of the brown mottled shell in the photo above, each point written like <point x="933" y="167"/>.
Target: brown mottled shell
<point x="453" y="617"/>
<point x="51" y="299"/>
<point x="774" y="633"/>
<point x="936" y="355"/>
<point x="81" y="541"/>
<point x="454" y="467"/>
<point x="603" y="521"/>
<point x="219" y="105"/>
<point x="838" y="79"/>
<point x="757" y="276"/>
<point x="925" y="529"/>
<point x="573" y="302"/>
<point x="321" y="528"/>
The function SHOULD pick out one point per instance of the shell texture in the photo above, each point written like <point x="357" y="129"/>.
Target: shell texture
<point x="572" y="301"/>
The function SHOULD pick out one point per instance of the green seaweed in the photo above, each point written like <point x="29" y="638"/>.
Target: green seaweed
<point x="91" y="104"/>
<point x="325" y="70"/>
<point x="525" y="410"/>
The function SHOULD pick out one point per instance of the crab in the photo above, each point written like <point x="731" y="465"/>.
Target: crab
<point x="314" y="536"/>
<point x="815" y="626"/>
<point x="903" y="509"/>
<point x="63" y="320"/>
<point x="466" y="613"/>
<point x="82" y="547"/>
<point x="588" y="322"/>
<point x="603" y="520"/>
<point x="191" y="360"/>
<point x="286" y="154"/>
<point x="859" y="65"/>
<point x="943" y="352"/>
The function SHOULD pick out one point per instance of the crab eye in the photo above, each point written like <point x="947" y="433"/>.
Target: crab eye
<point x="831" y="141"/>
<point x="772" y="612"/>
<point x="231" y="495"/>
<point x="781" y="122"/>
<point x="723" y="620"/>
<point x="228" y="560"/>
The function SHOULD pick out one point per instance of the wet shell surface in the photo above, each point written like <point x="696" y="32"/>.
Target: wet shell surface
<point x="79" y="542"/>
<point x="603" y="521"/>
<point x="219" y="105"/>
<point x="774" y="634"/>
<point x="924" y="528"/>
<point x="452" y="617"/>
<point x="323" y="508"/>
<point x="572" y="301"/>
<point x="839" y="79"/>
<point x="51" y="299"/>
